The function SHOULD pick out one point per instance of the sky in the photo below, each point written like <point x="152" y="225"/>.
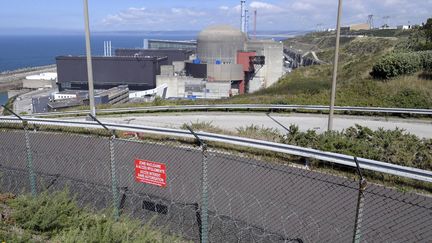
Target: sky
<point x="63" y="16"/>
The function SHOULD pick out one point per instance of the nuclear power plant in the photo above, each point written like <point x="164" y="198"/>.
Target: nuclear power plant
<point x="222" y="62"/>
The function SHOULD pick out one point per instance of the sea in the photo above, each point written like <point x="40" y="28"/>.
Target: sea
<point x="21" y="51"/>
<point x="3" y="97"/>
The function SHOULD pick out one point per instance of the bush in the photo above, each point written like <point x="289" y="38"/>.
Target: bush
<point x="55" y="217"/>
<point x="257" y="132"/>
<point x="397" y="64"/>
<point x="426" y="59"/>
<point x="45" y="213"/>
<point x="392" y="146"/>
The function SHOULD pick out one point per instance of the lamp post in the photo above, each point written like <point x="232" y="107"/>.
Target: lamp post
<point x="335" y="68"/>
<point x="89" y="61"/>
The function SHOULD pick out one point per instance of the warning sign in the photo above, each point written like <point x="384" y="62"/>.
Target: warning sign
<point x="149" y="172"/>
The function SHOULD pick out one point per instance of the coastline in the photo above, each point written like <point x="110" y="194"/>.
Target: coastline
<point x="13" y="79"/>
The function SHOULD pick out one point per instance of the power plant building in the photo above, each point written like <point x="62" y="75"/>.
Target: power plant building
<point x="227" y="62"/>
<point x="222" y="63"/>
<point x="139" y="72"/>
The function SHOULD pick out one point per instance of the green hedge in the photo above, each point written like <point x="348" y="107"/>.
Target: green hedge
<point x="396" y="64"/>
<point x="426" y="57"/>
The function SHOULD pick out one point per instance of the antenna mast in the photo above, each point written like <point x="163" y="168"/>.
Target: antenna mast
<point x="255" y="23"/>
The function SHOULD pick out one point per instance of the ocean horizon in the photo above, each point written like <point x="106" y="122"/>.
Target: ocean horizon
<point x="22" y="51"/>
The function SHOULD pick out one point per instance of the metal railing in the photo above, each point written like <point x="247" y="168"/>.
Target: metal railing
<point x="211" y="193"/>
<point x="340" y="159"/>
<point x="247" y="107"/>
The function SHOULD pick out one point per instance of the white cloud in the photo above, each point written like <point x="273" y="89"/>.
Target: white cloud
<point x="265" y="6"/>
<point x="272" y="14"/>
<point x="301" y="6"/>
<point x="224" y="8"/>
<point x="141" y="18"/>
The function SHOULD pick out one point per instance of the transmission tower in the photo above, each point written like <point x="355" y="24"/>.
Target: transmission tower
<point x="370" y="21"/>
<point x="386" y="18"/>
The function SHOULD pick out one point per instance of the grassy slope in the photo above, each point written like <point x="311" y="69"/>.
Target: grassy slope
<point x="311" y="85"/>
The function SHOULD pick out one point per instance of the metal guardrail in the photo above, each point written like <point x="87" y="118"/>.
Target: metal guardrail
<point x="245" y="107"/>
<point x="340" y="159"/>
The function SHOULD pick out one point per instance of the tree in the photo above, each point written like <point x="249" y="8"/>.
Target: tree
<point x="427" y="28"/>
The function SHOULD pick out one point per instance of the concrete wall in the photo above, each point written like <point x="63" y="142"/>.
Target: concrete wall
<point x="176" y="85"/>
<point x="273" y="52"/>
<point x="225" y="72"/>
<point x="217" y="90"/>
<point x="179" y="66"/>
<point x="35" y="84"/>
<point x="167" y="70"/>
<point x="255" y="84"/>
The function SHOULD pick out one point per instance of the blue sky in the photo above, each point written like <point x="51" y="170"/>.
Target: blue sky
<point x="118" y="15"/>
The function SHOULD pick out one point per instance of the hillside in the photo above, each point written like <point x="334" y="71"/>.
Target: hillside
<point x="311" y="85"/>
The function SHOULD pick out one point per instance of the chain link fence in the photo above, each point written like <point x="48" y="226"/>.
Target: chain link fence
<point x="214" y="192"/>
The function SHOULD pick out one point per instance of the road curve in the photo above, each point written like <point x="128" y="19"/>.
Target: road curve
<point x="232" y="120"/>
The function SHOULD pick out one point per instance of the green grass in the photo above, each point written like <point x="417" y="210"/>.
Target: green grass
<point x="55" y="217"/>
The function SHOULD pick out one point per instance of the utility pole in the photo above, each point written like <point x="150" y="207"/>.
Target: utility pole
<point x="255" y="23"/>
<point x="335" y="68"/>
<point x="89" y="61"/>
<point x="370" y="21"/>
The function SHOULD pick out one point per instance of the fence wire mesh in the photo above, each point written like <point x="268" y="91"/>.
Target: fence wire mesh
<point x="252" y="196"/>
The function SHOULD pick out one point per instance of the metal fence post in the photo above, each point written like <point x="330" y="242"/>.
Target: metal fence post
<point x="360" y="205"/>
<point x="204" y="203"/>
<point x="30" y="167"/>
<point x="204" y="189"/>
<point x="114" y="182"/>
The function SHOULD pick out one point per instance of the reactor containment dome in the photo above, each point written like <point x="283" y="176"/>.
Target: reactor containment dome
<point x="219" y="44"/>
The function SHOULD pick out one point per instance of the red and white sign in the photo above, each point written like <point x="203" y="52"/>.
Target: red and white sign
<point x="149" y="172"/>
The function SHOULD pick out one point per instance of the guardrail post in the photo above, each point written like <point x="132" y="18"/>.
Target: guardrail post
<point x="114" y="182"/>
<point x="360" y="205"/>
<point x="204" y="190"/>
<point x="30" y="167"/>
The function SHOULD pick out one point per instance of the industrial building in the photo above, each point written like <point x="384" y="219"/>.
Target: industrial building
<point x="72" y="98"/>
<point x="172" y="55"/>
<point x="227" y="63"/>
<point x="222" y="62"/>
<point x="139" y="72"/>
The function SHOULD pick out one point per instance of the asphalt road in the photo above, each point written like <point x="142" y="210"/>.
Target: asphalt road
<point x="249" y="200"/>
<point x="231" y="121"/>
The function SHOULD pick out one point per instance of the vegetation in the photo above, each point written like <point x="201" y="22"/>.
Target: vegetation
<point x="396" y="64"/>
<point x="55" y="217"/>
<point x="9" y="105"/>
<point x="392" y="146"/>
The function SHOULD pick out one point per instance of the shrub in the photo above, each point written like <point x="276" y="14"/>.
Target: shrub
<point x="392" y="146"/>
<point x="397" y="64"/>
<point x="257" y="132"/>
<point x="45" y="213"/>
<point x="426" y="59"/>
